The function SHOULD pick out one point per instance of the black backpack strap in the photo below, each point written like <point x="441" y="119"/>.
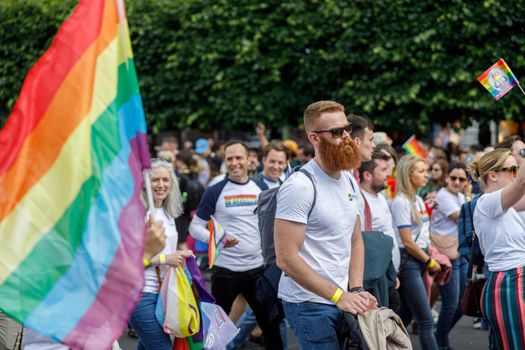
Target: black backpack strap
<point x="308" y="175"/>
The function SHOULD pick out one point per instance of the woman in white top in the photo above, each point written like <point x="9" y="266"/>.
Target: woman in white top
<point x="168" y="205"/>
<point x="501" y="233"/>
<point x="444" y="237"/>
<point x="412" y="223"/>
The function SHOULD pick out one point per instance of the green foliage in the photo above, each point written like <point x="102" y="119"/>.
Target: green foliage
<point x="227" y="64"/>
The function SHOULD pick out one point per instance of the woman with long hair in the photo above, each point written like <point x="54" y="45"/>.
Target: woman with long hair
<point x="412" y="223"/>
<point x="501" y="233"/>
<point x="167" y="206"/>
<point x="444" y="238"/>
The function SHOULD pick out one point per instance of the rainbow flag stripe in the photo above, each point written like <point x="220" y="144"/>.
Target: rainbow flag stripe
<point x="412" y="146"/>
<point x="71" y="160"/>
<point x="498" y="79"/>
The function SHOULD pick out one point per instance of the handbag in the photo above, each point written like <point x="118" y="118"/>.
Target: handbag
<point x="470" y="303"/>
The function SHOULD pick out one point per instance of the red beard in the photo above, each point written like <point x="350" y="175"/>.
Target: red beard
<point x="343" y="156"/>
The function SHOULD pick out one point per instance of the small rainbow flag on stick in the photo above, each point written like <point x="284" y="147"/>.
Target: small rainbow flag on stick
<point x="499" y="79"/>
<point x="413" y="147"/>
<point x="216" y="240"/>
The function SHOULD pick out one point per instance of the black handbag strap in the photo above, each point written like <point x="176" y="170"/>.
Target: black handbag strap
<point x="470" y="264"/>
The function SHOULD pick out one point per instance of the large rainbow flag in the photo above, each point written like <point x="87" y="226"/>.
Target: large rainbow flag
<point x="498" y="79"/>
<point x="71" y="160"/>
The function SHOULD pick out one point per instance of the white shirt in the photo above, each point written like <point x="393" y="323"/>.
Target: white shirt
<point x="233" y="204"/>
<point x="403" y="218"/>
<point x="329" y="228"/>
<point x="382" y="221"/>
<point x="151" y="280"/>
<point x="501" y="234"/>
<point x="447" y="204"/>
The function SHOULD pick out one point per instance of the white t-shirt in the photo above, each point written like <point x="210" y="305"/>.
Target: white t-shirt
<point x="403" y="218"/>
<point x="270" y="183"/>
<point x="151" y="284"/>
<point x="382" y="221"/>
<point x="447" y="204"/>
<point x="329" y="228"/>
<point x="233" y="204"/>
<point x="501" y="234"/>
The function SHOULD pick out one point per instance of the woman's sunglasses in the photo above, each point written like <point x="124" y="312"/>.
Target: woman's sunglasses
<point x="458" y="178"/>
<point x="336" y="132"/>
<point x="510" y="169"/>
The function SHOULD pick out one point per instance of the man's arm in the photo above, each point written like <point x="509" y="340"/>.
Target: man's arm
<point x="357" y="258"/>
<point x="289" y="238"/>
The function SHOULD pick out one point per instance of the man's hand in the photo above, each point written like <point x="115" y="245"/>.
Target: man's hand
<point x="260" y="129"/>
<point x="230" y="241"/>
<point x="356" y="303"/>
<point x="155" y="238"/>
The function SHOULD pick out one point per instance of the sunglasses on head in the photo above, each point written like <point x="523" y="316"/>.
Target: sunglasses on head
<point x="458" y="178"/>
<point x="337" y="132"/>
<point x="154" y="160"/>
<point x="510" y="169"/>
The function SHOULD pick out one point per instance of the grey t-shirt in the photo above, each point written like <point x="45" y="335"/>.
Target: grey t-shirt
<point x="329" y="227"/>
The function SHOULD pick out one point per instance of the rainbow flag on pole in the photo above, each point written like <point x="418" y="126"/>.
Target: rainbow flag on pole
<point x="71" y="160"/>
<point x="498" y="79"/>
<point x="413" y="147"/>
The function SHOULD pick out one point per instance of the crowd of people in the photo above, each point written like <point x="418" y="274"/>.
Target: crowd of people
<point x="335" y="192"/>
<point x="345" y="200"/>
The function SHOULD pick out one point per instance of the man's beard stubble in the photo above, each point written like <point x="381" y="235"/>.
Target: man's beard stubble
<point x="343" y="156"/>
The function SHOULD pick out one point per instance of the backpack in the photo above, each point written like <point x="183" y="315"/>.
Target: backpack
<point x="266" y="208"/>
<point x="466" y="232"/>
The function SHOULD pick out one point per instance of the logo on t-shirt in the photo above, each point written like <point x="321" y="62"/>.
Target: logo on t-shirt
<point x="424" y="216"/>
<point x="351" y="197"/>
<point x="240" y="200"/>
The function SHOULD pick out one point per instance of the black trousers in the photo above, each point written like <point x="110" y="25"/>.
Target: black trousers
<point x="227" y="284"/>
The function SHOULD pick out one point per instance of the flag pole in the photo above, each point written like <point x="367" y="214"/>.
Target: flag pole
<point x="523" y="92"/>
<point x="149" y="194"/>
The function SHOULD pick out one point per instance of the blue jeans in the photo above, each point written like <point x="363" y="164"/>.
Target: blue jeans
<point x="316" y="326"/>
<point x="247" y="323"/>
<point x="462" y="270"/>
<point x="414" y="301"/>
<point x="449" y="304"/>
<point x="150" y="332"/>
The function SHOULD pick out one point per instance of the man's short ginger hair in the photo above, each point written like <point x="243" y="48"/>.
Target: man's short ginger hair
<point x="316" y="109"/>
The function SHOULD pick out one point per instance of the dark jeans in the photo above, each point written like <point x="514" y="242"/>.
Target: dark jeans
<point x="316" y="326"/>
<point x="448" y="314"/>
<point x="150" y="332"/>
<point x="414" y="301"/>
<point x="227" y="284"/>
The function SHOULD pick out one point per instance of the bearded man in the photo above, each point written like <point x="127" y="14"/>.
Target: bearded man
<point x="318" y="235"/>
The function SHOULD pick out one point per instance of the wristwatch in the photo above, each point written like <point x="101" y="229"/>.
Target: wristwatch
<point x="357" y="289"/>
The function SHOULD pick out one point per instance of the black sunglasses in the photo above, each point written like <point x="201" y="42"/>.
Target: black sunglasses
<point x="456" y="178"/>
<point x="511" y="169"/>
<point x="337" y="132"/>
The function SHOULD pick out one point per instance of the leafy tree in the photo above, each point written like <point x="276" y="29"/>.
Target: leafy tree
<point x="228" y="64"/>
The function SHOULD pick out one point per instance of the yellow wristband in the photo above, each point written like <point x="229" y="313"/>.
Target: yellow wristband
<point x="337" y="295"/>
<point x="431" y="263"/>
<point x="146" y="262"/>
<point x="162" y="259"/>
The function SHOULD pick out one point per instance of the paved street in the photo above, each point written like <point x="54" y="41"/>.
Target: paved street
<point x="463" y="337"/>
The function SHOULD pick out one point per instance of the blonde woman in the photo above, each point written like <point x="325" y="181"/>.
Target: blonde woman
<point x="411" y="222"/>
<point x="501" y="233"/>
<point x="167" y="206"/>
